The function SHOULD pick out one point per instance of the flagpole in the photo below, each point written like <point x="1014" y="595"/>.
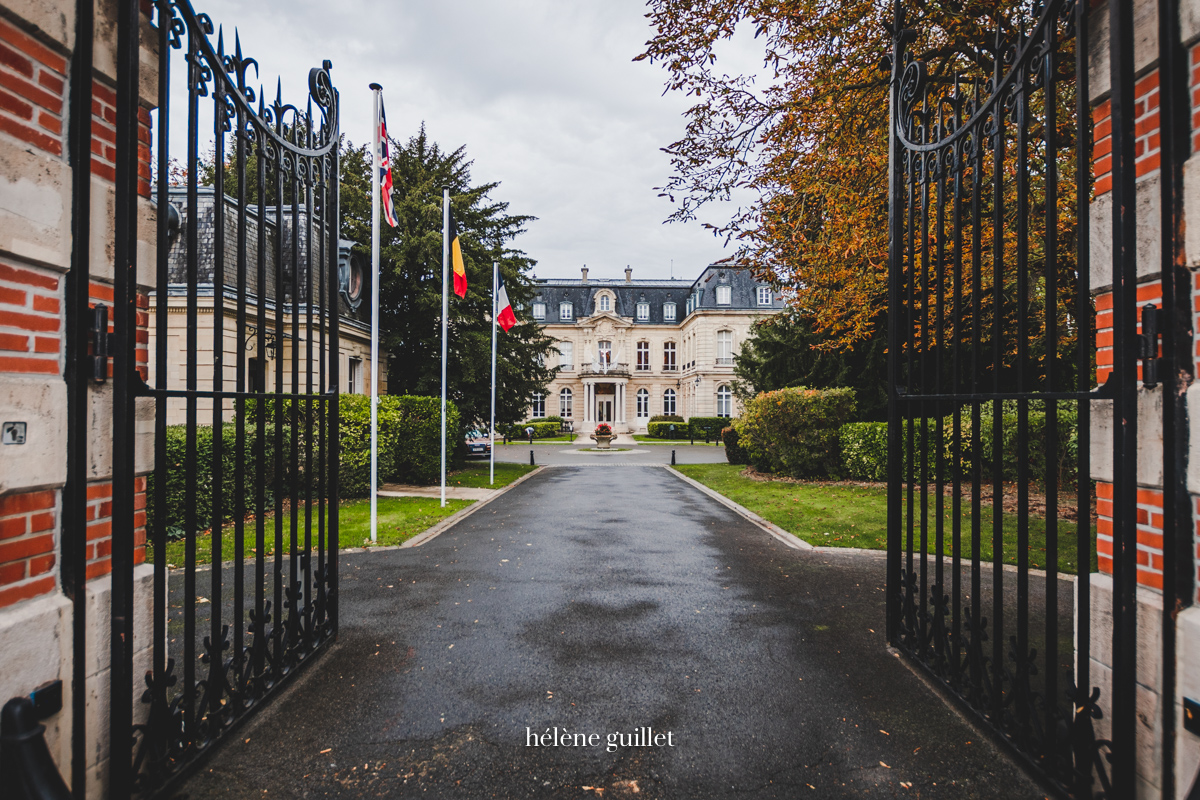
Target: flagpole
<point x="375" y="162"/>
<point x="492" y="424"/>
<point x="445" y="314"/>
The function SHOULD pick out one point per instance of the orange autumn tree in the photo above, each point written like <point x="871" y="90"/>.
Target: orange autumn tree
<point x="806" y="136"/>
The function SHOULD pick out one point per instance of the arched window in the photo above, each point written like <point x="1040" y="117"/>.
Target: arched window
<point x="564" y="403"/>
<point x="604" y="353"/>
<point x="643" y="404"/>
<point x="605" y="303"/>
<point x="724" y="401"/>
<point x="538" y="406"/>
<point x="669" y="401"/>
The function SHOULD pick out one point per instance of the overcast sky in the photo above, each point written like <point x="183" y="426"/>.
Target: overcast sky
<point x="543" y="93"/>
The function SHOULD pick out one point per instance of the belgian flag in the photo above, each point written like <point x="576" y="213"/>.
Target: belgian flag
<point x="456" y="261"/>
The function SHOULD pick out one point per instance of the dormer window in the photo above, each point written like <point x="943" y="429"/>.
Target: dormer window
<point x="643" y="311"/>
<point x="539" y="310"/>
<point x="566" y="312"/>
<point x="668" y="312"/>
<point x="605" y="303"/>
<point x="724" y="295"/>
<point x="764" y="295"/>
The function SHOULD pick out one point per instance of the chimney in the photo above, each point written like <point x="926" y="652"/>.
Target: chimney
<point x="584" y="271"/>
<point x="628" y="274"/>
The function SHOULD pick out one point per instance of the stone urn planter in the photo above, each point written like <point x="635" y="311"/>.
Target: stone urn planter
<point x="603" y="436"/>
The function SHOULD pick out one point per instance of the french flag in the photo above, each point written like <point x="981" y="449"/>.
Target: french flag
<point x="504" y="316"/>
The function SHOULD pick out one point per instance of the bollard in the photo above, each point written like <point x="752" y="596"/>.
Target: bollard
<point x="531" y="459"/>
<point x="25" y="760"/>
<point x="672" y="457"/>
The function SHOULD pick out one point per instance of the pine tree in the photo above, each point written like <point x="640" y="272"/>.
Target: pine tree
<point x="410" y="285"/>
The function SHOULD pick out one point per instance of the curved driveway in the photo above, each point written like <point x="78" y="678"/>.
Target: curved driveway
<point x="604" y="600"/>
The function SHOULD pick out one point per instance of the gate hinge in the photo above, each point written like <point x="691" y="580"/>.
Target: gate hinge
<point x="1148" y="346"/>
<point x="101" y="340"/>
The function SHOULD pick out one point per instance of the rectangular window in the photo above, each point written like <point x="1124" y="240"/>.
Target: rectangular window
<point x="724" y="295"/>
<point x="538" y="406"/>
<point x="355" y="385"/>
<point x="643" y="311"/>
<point x="566" y="311"/>
<point x="643" y="356"/>
<point x="565" y="399"/>
<point x="669" y="356"/>
<point x="669" y="312"/>
<point x="669" y="401"/>
<point x="566" y="355"/>
<point x="724" y="348"/>
<point x="764" y="295"/>
<point x="539" y="310"/>
<point x="604" y="353"/>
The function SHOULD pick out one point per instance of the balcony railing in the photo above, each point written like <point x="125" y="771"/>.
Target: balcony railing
<point x="724" y="362"/>
<point x="600" y="368"/>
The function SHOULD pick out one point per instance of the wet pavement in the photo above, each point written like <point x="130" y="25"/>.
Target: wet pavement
<point x="609" y="602"/>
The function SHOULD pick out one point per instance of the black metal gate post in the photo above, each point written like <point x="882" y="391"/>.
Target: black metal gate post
<point x="257" y="238"/>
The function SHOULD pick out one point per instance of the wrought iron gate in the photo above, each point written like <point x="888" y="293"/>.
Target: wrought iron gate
<point x="992" y="382"/>
<point x="246" y="273"/>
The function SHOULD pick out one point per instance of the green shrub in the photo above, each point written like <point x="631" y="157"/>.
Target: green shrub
<point x="174" y="513"/>
<point x="710" y="425"/>
<point x="666" y="418"/>
<point x="556" y="420"/>
<point x="409" y="440"/>
<point x="734" y="452"/>
<point x="864" y="450"/>
<point x="662" y="430"/>
<point x="794" y="431"/>
<point x="541" y="429"/>
<point x="864" y="446"/>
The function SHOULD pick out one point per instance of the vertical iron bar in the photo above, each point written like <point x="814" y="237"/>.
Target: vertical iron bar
<point x="1021" y="664"/>
<point x="997" y="697"/>
<point x="1050" y="98"/>
<point x="279" y="403"/>
<point x="1125" y="404"/>
<point x="977" y="189"/>
<point x="239" y="481"/>
<point x="309" y="263"/>
<point x="957" y="386"/>
<point x="1082" y="739"/>
<point x="190" y="521"/>
<point x="895" y="467"/>
<point x="124" y="377"/>
<point x="1178" y="562"/>
<point x="214" y="688"/>
<point x="77" y="376"/>
<point x="939" y="346"/>
<point x="294" y="403"/>
<point x="923" y="363"/>
<point x="261" y="627"/>
<point x="335" y="412"/>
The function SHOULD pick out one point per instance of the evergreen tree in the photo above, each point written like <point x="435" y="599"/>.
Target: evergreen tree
<point x="410" y="287"/>
<point x="780" y="353"/>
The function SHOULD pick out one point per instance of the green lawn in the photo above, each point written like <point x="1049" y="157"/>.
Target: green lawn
<point x="475" y="475"/>
<point x="400" y="518"/>
<point x="851" y="516"/>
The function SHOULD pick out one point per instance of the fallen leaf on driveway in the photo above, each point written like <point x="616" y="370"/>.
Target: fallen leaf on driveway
<point x="885" y="766"/>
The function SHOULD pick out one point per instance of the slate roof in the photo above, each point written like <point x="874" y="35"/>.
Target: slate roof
<point x="627" y="294"/>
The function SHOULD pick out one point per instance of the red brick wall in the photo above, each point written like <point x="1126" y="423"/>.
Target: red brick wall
<point x="104" y="138"/>
<point x="99" y="526"/>
<point x="27" y="545"/>
<point x="32" y="82"/>
<point x="1146" y="150"/>
<point x="30" y="320"/>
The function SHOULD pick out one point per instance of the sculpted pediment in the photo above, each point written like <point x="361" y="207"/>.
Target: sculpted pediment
<point x="605" y="322"/>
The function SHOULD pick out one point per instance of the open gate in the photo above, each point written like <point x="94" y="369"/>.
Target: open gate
<point x="992" y="376"/>
<point x="246" y="274"/>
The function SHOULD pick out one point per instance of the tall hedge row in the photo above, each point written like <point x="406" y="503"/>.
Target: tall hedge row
<point x="794" y="431"/>
<point x="409" y="452"/>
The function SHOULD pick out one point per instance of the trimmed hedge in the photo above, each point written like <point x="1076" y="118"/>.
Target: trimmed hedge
<point x="541" y="429"/>
<point x="734" y="452"/>
<point x="409" y="452"/>
<point x="175" y="474"/>
<point x="662" y="430"/>
<point x="794" y="431"/>
<point x="713" y="426"/>
<point x="864" y="446"/>
<point x="864" y="450"/>
<point x="409" y="435"/>
<point x="667" y="418"/>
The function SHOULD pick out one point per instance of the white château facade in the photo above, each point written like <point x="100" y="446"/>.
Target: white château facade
<point x="632" y="349"/>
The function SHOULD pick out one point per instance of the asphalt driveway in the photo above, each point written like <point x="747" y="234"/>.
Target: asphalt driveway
<point x="606" y="601"/>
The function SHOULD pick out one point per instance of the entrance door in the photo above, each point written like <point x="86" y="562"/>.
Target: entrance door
<point x="604" y="410"/>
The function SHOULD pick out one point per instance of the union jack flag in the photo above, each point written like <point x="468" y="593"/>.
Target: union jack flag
<point x="385" y="169"/>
